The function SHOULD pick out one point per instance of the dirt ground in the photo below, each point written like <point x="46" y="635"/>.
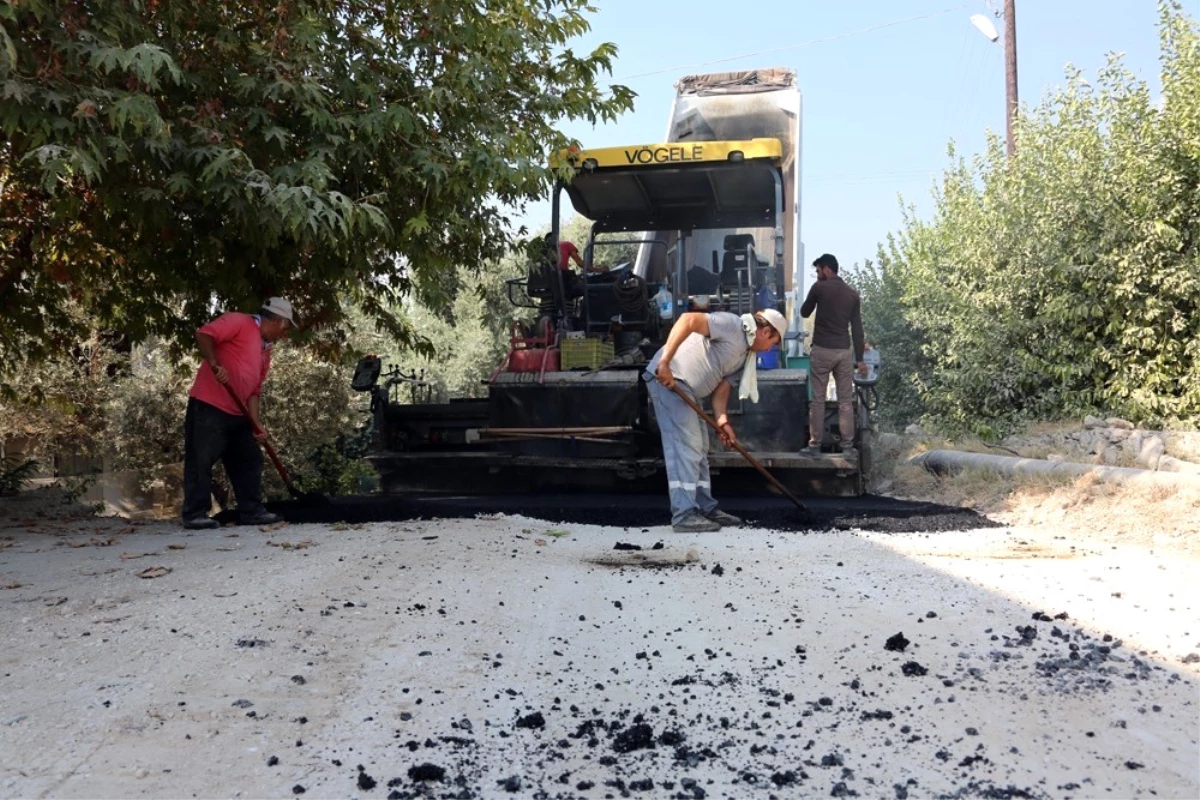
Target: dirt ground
<point x="502" y="656"/>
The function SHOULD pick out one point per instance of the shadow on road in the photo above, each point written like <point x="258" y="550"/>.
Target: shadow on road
<point x="871" y="513"/>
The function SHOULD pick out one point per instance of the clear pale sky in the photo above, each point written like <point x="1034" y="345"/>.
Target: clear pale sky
<point x="879" y="107"/>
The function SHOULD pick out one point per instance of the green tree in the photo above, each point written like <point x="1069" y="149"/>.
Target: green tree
<point x="160" y="155"/>
<point x="1066" y="280"/>
<point x="887" y="326"/>
<point x="467" y="339"/>
<point x="57" y="407"/>
<point x="578" y="228"/>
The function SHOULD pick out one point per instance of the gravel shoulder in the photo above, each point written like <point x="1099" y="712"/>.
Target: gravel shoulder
<point x="518" y="657"/>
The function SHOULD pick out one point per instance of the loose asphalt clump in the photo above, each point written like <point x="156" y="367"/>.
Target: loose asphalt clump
<point x="534" y="720"/>
<point x="990" y="791"/>
<point x="710" y="718"/>
<point x="1076" y="660"/>
<point x="1063" y="660"/>
<point x="250" y="643"/>
<point x="365" y="782"/>
<point x="637" y="737"/>
<point x="427" y="772"/>
<point x="719" y="720"/>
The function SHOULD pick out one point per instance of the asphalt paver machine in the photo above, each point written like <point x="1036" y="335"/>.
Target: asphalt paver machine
<point x="706" y="221"/>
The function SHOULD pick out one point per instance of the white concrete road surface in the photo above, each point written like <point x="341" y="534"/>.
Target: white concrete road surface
<point x="510" y="657"/>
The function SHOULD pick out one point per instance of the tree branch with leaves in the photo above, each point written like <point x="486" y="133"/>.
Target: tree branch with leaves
<point x="162" y="155"/>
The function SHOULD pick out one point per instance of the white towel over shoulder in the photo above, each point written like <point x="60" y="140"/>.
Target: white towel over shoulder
<point x="749" y="384"/>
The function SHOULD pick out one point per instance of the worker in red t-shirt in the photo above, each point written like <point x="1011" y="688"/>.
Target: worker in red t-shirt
<point x="236" y="353"/>
<point x="568" y="252"/>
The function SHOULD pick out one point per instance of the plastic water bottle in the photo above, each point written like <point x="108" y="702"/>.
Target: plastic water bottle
<point x="665" y="302"/>
<point x="872" y="360"/>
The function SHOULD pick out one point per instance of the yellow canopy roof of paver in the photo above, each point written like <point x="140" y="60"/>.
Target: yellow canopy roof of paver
<point x="676" y="185"/>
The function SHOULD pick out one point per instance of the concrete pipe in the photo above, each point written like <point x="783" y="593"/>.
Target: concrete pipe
<point x="953" y="461"/>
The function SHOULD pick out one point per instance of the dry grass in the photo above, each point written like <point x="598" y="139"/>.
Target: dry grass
<point x="1158" y="516"/>
<point x="1059" y="426"/>
<point x="982" y="489"/>
<point x="1081" y="507"/>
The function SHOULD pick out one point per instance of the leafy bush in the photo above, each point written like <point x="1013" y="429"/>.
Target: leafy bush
<point x="466" y="338"/>
<point x="340" y="466"/>
<point x="144" y="417"/>
<point x="887" y="326"/>
<point x="16" y="473"/>
<point x="309" y="411"/>
<point x="135" y="417"/>
<point x="57" y="404"/>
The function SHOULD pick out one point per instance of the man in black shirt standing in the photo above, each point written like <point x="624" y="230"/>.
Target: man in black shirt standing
<point x="837" y="307"/>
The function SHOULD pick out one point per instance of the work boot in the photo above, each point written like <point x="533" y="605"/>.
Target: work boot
<point x="200" y="523"/>
<point x="721" y="518"/>
<point x="695" y="522"/>
<point x="260" y="517"/>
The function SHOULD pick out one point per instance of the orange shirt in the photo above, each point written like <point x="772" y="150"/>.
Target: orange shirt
<point x="244" y="355"/>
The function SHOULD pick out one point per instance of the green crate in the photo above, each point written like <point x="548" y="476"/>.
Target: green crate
<point x="801" y="362"/>
<point x="585" y="353"/>
<point x="797" y="362"/>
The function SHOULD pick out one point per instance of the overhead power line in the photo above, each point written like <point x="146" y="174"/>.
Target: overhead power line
<point x="797" y="45"/>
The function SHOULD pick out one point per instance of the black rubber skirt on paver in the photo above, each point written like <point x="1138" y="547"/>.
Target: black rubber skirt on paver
<point x="869" y="513"/>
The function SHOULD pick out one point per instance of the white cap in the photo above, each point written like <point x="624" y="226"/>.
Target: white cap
<point x="282" y="308"/>
<point x="776" y="320"/>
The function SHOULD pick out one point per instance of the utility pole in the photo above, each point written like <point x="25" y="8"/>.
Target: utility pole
<point x="1010" y="71"/>
<point x="985" y="26"/>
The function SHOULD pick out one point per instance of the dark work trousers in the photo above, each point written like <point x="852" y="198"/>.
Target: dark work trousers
<point x="209" y="435"/>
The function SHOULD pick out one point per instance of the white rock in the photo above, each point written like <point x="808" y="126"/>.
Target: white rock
<point x="1167" y="464"/>
<point x="1090" y="422"/>
<point x="889" y="441"/>
<point x="1183" y="444"/>
<point x="1056" y="457"/>
<point x="914" y="430"/>
<point x="1117" y="422"/>
<point x="1133" y="444"/>
<point x="1152" y="449"/>
<point x="1112" y="455"/>
<point x="1117" y="434"/>
<point x="1170" y="464"/>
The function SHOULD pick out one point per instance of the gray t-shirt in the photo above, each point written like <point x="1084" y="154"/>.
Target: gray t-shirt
<point x="702" y="361"/>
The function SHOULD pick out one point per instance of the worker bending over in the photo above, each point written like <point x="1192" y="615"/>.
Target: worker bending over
<point x="236" y="352"/>
<point x="701" y="353"/>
